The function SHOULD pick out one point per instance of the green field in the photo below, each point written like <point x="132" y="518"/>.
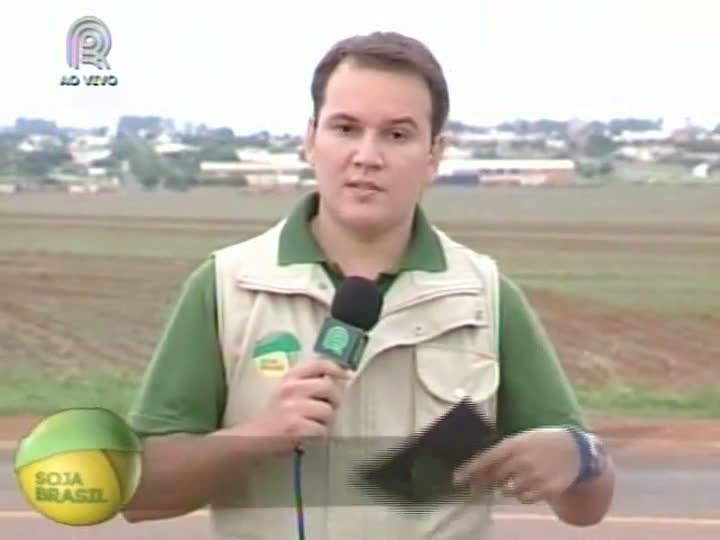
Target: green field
<point x="625" y="279"/>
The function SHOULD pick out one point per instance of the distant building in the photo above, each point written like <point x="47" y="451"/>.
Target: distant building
<point x="650" y="137"/>
<point x="507" y="171"/>
<point x="493" y="137"/>
<point x="88" y="149"/>
<point x="645" y="153"/>
<point x="81" y="184"/>
<point x="38" y="143"/>
<point x="701" y="170"/>
<point x="256" y="168"/>
<point x="226" y="169"/>
<point x="459" y="179"/>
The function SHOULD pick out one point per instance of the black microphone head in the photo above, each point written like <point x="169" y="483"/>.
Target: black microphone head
<point x="357" y="302"/>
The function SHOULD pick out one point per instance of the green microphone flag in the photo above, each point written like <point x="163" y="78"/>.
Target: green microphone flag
<point x="342" y="342"/>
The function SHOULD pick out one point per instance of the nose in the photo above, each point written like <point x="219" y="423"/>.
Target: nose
<point x="368" y="152"/>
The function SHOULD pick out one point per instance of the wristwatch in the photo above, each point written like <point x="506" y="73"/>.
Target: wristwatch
<point x="592" y="453"/>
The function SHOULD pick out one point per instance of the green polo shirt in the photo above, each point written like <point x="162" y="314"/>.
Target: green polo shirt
<point x="184" y="388"/>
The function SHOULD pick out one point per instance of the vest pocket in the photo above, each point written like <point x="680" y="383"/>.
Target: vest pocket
<point x="447" y="375"/>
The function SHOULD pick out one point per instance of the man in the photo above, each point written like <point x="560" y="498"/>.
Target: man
<point x="233" y="387"/>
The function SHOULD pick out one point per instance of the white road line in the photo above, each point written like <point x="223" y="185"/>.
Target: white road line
<point x="499" y="516"/>
<point x="619" y="520"/>
<point x="622" y="444"/>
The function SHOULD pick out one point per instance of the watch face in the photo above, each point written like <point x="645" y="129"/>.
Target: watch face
<point x="596" y="450"/>
<point x="597" y="446"/>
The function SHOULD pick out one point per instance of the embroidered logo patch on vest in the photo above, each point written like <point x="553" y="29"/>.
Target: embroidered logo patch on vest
<point x="275" y="353"/>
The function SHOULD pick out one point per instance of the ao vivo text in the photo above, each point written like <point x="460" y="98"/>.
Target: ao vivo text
<point x="89" y="80"/>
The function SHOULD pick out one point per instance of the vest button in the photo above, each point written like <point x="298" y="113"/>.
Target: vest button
<point x="419" y="330"/>
<point x="322" y="285"/>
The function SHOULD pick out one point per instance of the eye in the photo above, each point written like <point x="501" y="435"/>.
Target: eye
<point x="398" y="135"/>
<point x="343" y="128"/>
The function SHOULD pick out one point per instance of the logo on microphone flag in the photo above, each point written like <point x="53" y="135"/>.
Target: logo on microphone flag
<point x="336" y="340"/>
<point x="275" y="353"/>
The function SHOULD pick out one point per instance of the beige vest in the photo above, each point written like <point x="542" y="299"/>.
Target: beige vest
<point x="436" y="342"/>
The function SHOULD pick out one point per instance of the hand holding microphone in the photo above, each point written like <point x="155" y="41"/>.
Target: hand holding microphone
<point x="310" y="393"/>
<point x="303" y="404"/>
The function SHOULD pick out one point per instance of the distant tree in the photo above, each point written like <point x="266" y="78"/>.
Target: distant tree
<point x="255" y="140"/>
<point x="548" y="127"/>
<point x="519" y="127"/>
<point x="180" y="171"/>
<point x="593" y="168"/>
<point x="598" y="145"/>
<point x="456" y="125"/>
<point x="605" y="167"/>
<point x="306" y="174"/>
<point x="39" y="163"/>
<point x="40" y="126"/>
<point x="122" y="147"/>
<point x="146" y="165"/>
<point x="543" y="126"/>
<point x="223" y="133"/>
<point x="485" y="153"/>
<point x="168" y="124"/>
<point x="618" y="125"/>
<point x="132" y="125"/>
<point x="700" y="146"/>
<point x="8" y="154"/>
<point x="218" y="151"/>
<point x="717" y="129"/>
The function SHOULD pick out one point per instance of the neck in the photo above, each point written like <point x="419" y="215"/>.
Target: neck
<point x="365" y="255"/>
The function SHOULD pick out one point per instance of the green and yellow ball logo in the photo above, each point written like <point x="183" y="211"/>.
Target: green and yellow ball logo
<point x="79" y="466"/>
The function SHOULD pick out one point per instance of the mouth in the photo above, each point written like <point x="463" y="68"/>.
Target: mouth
<point x="364" y="185"/>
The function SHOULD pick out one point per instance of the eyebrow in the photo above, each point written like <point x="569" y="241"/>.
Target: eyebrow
<point x="404" y="120"/>
<point x="341" y="116"/>
<point x="395" y="121"/>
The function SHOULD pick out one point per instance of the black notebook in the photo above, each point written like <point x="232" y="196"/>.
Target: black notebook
<point x="420" y="472"/>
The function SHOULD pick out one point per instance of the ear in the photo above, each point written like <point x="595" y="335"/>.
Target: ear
<point x="309" y="140"/>
<point x="437" y="151"/>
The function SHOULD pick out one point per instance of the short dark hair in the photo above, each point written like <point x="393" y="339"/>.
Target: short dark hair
<point x="391" y="51"/>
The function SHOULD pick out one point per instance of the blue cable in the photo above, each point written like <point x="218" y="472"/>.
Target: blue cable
<point x="299" y="510"/>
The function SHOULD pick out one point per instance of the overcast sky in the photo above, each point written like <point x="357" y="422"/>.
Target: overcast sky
<point x="247" y="64"/>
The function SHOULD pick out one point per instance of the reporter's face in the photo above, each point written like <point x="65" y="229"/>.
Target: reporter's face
<point x="372" y="147"/>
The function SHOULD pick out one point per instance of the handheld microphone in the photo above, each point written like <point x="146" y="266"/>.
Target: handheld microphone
<point x="354" y="311"/>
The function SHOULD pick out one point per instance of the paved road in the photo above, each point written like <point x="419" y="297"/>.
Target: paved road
<point x="654" y="501"/>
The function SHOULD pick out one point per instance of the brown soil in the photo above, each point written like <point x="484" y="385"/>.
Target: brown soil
<point x="600" y="344"/>
<point x="124" y="301"/>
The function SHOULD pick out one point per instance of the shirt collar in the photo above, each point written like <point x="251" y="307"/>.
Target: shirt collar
<point x="298" y="245"/>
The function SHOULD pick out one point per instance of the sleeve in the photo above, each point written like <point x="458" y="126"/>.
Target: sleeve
<point x="183" y="388"/>
<point x="534" y="389"/>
